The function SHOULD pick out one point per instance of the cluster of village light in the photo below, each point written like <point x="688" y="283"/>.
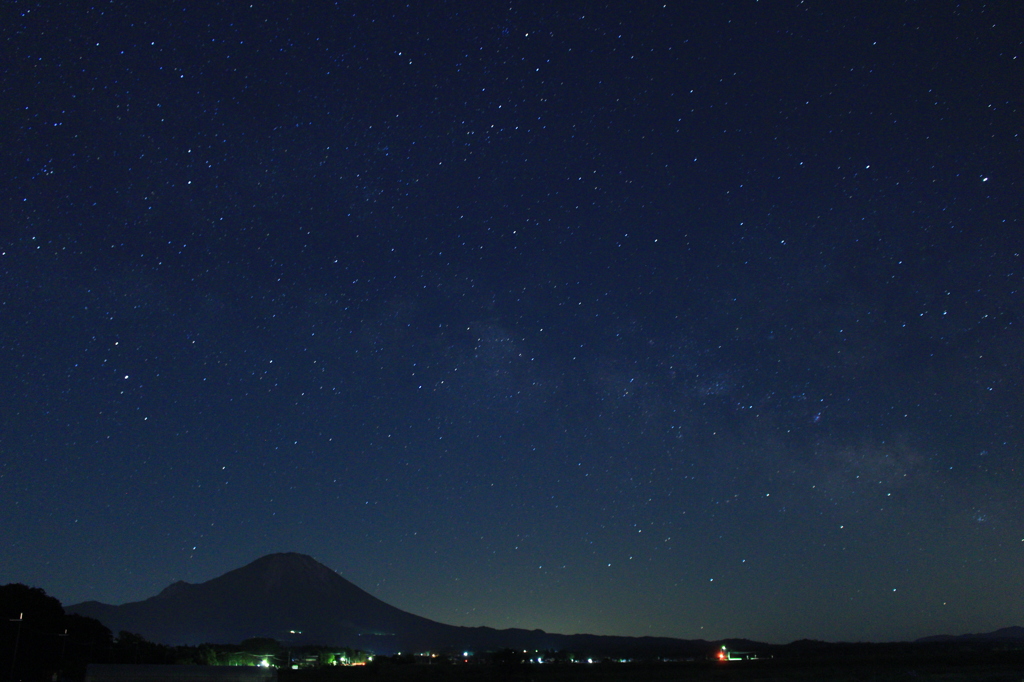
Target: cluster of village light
<point x="726" y="655"/>
<point x="467" y="657"/>
<point x="536" y="657"/>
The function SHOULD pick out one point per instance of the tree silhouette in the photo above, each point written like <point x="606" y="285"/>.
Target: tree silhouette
<point x="37" y="639"/>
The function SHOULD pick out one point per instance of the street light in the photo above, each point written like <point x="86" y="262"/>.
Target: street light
<point x="17" y="638"/>
<point x="63" y="647"/>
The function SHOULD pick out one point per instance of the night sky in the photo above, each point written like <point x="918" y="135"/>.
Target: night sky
<point x="699" y="320"/>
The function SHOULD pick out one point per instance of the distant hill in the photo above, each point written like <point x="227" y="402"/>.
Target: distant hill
<point x="295" y="599"/>
<point x="1011" y="634"/>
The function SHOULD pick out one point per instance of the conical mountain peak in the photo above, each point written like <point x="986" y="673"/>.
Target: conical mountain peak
<point x="295" y="599"/>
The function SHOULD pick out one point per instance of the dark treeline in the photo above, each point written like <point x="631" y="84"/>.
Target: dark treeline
<point x="38" y="641"/>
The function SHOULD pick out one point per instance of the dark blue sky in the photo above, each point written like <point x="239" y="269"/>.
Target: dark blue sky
<point x="687" y="319"/>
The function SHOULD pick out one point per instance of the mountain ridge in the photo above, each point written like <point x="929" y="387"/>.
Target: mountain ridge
<point x="295" y="599"/>
<point x="1014" y="633"/>
<point x="284" y="596"/>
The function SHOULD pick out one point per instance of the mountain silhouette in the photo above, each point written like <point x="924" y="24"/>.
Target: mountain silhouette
<point x="1010" y="634"/>
<point x="297" y="600"/>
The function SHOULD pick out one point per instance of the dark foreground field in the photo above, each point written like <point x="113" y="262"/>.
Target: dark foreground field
<point x="989" y="667"/>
